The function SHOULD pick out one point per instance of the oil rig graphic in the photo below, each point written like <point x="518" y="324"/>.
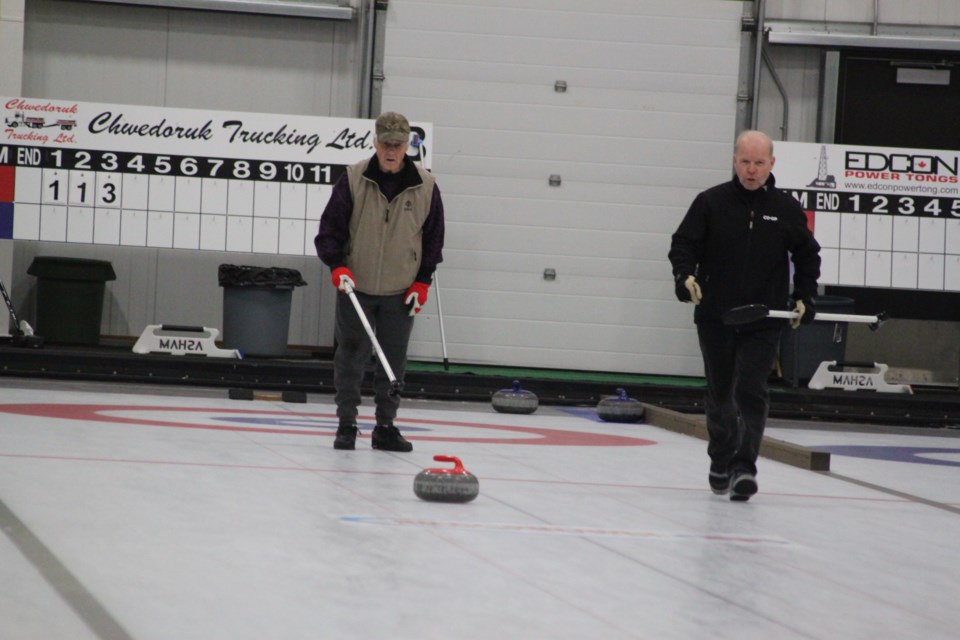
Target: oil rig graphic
<point x="823" y="180"/>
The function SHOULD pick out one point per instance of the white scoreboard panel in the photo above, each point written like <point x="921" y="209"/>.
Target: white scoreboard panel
<point x="884" y="217"/>
<point x="174" y="178"/>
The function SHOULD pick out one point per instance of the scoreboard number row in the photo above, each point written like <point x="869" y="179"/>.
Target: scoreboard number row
<point x="904" y="205"/>
<point x="171" y="165"/>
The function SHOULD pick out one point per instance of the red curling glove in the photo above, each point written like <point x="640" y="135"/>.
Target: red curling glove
<point x="341" y="277"/>
<point x="416" y="297"/>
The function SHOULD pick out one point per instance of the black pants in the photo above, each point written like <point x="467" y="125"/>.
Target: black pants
<point x="738" y="365"/>
<point x="391" y="321"/>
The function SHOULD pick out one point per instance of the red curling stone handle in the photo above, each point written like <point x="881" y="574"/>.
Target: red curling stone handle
<point x="458" y="465"/>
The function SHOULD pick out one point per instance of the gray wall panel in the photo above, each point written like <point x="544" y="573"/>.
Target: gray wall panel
<point x="523" y="71"/>
<point x="646" y="122"/>
<point x="96" y="53"/>
<point x="560" y="213"/>
<point x="593" y="54"/>
<point x="218" y="61"/>
<point x="165" y="57"/>
<point x="471" y="261"/>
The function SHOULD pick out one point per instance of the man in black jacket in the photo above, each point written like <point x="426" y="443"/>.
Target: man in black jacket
<point x="733" y="248"/>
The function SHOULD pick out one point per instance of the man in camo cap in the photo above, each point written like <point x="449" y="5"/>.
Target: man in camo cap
<point x="392" y="127"/>
<point x="381" y="234"/>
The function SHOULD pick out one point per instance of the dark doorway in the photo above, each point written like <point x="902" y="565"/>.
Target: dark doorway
<point x="889" y="100"/>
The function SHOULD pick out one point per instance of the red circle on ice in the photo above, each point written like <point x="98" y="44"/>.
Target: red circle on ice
<point x="310" y="424"/>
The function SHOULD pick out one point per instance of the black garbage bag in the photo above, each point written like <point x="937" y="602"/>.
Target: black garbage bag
<point x="231" y="275"/>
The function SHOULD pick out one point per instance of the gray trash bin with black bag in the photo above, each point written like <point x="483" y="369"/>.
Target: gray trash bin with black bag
<point x="804" y="348"/>
<point x="256" y="308"/>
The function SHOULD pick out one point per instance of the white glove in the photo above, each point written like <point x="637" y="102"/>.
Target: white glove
<point x="694" y="288"/>
<point x="800" y="309"/>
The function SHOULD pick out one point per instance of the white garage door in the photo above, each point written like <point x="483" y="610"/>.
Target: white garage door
<point x="646" y="120"/>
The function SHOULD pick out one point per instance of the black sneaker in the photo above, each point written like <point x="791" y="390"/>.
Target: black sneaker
<point x="719" y="479"/>
<point x="346" y="436"/>
<point x="388" y="438"/>
<point x="743" y="485"/>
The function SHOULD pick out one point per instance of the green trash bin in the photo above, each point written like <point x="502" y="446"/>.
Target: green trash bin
<point x="70" y="298"/>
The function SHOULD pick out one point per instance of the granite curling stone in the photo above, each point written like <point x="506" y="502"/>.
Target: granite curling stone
<point x="620" y="408"/>
<point x="515" y="400"/>
<point x="446" y="485"/>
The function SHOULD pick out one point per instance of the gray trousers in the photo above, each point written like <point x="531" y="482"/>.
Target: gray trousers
<point x="389" y="317"/>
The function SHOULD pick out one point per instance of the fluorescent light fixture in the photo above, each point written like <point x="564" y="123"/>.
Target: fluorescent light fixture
<point x="317" y="10"/>
<point x="910" y="75"/>
<point x="785" y="33"/>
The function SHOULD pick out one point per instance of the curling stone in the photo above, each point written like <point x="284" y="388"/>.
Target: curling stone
<point x="446" y="485"/>
<point x="515" y="400"/>
<point x="620" y="408"/>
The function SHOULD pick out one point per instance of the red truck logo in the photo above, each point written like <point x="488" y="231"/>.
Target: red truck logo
<point x="35" y="122"/>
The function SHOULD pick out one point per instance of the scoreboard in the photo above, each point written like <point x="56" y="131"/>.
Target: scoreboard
<point x="884" y="217"/>
<point x="174" y="178"/>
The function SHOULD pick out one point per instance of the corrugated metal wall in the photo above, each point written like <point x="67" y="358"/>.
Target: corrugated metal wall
<point x="646" y="121"/>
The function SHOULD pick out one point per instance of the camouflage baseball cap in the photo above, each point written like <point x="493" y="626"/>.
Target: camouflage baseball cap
<point x="392" y="127"/>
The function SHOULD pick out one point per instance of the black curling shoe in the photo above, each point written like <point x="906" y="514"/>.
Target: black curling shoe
<point x="388" y="438"/>
<point x="346" y="436"/>
<point x="742" y="485"/>
<point x="719" y="479"/>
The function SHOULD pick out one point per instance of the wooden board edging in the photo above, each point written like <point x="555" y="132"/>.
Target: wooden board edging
<point x="696" y="425"/>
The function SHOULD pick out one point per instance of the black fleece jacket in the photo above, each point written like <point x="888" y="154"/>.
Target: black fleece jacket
<point x="739" y="243"/>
